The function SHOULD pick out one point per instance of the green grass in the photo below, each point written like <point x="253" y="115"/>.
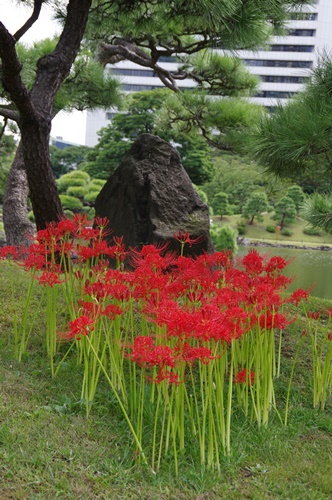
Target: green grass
<point x="257" y="231"/>
<point x="48" y="449"/>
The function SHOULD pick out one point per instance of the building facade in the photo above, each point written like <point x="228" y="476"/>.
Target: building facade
<point x="283" y="68"/>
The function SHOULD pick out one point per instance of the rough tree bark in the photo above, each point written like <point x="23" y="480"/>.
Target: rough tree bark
<point x="35" y="107"/>
<point x="17" y="226"/>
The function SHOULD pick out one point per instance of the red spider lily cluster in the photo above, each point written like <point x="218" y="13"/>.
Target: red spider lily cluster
<point x="192" y="304"/>
<point x="207" y="321"/>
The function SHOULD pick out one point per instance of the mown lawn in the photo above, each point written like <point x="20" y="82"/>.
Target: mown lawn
<point x="257" y="231"/>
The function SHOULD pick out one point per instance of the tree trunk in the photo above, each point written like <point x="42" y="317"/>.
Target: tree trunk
<point x="42" y="186"/>
<point x="18" y="228"/>
<point x="34" y="107"/>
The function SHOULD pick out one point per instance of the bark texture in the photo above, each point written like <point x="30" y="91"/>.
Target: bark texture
<point x="34" y="108"/>
<point x="18" y="228"/>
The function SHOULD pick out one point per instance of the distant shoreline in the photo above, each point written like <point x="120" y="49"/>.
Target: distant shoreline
<point x="259" y="243"/>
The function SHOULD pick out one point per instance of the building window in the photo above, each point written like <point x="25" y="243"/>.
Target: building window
<point x="292" y="48"/>
<point x="109" y="115"/>
<point x="277" y="94"/>
<point x="131" y="87"/>
<point x="301" y="32"/>
<point x="278" y="64"/>
<point x="283" y="79"/>
<point x="303" y="16"/>
<point x="167" y="59"/>
<point x="133" y="72"/>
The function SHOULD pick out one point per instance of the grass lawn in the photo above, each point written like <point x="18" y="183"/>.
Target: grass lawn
<point x="257" y="231"/>
<point x="48" y="449"/>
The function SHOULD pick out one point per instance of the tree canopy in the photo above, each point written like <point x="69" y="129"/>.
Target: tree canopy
<point x="296" y="140"/>
<point x="138" y="30"/>
<point x="141" y="116"/>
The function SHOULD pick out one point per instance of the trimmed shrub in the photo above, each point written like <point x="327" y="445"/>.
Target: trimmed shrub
<point x="77" y="191"/>
<point x="286" y="232"/>
<point x="91" y="196"/>
<point x="271" y="229"/>
<point x="74" y="178"/>
<point x="312" y="231"/>
<point x="241" y="227"/>
<point x="97" y="184"/>
<point x="224" y="238"/>
<point x="70" y="202"/>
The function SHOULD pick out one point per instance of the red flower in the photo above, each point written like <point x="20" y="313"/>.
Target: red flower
<point x="276" y="263"/>
<point x="145" y="353"/>
<point x="253" y="262"/>
<point x="80" y="326"/>
<point x="170" y="376"/>
<point x="244" y="377"/>
<point x="8" y="251"/>
<point x="271" y="320"/>
<point x="299" y="295"/>
<point x="190" y="354"/>
<point x="185" y="238"/>
<point x="314" y="315"/>
<point x="49" y="278"/>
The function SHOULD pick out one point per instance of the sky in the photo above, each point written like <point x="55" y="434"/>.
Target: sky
<point x="69" y="126"/>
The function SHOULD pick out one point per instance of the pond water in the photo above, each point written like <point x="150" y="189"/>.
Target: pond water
<point x="309" y="268"/>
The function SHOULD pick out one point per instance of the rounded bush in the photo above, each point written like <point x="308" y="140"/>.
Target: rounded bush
<point x="91" y="196"/>
<point x="312" y="231"/>
<point x="77" y="191"/>
<point x="74" y="178"/>
<point x="286" y="232"/>
<point x="97" y="184"/>
<point x="70" y="202"/>
<point x="271" y="229"/>
<point x="241" y="227"/>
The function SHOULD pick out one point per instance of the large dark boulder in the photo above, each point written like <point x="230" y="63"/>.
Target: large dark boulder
<point x="150" y="197"/>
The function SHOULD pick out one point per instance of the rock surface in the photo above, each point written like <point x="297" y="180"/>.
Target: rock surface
<point x="150" y="197"/>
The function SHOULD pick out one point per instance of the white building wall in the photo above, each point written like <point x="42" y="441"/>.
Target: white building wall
<point x="271" y="93"/>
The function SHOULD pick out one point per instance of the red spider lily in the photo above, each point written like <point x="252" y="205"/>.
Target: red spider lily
<point x="8" y="251"/>
<point x="35" y="261"/>
<point x="80" y="326"/>
<point x="244" y="377"/>
<point x="184" y="238"/>
<point x="119" y="252"/>
<point x="88" y="233"/>
<point x="49" y="278"/>
<point x="276" y="264"/>
<point x="101" y="222"/>
<point x="253" y="263"/>
<point x="190" y="354"/>
<point x="299" y="295"/>
<point x="90" y="309"/>
<point x="329" y="336"/>
<point x="66" y="227"/>
<point x="271" y="320"/>
<point x="314" y="315"/>
<point x="169" y="376"/>
<point x="111" y="311"/>
<point x="146" y="353"/>
<point x="80" y="221"/>
<point x="217" y="259"/>
<point x="152" y="257"/>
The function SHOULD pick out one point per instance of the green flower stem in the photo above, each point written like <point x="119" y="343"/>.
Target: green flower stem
<point x="300" y="343"/>
<point x="125" y="414"/>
